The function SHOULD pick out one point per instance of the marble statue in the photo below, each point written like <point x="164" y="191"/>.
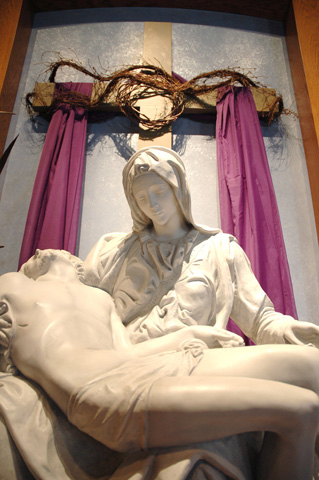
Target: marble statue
<point x="142" y="362"/>
<point x="170" y="272"/>
<point x="68" y="337"/>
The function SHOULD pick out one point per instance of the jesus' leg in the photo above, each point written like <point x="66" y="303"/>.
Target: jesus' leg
<point x="186" y="410"/>
<point x="293" y="364"/>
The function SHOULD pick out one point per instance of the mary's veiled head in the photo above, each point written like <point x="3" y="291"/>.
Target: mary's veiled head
<point x="169" y="166"/>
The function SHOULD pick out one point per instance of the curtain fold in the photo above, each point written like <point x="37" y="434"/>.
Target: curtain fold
<point x="247" y="199"/>
<point x="53" y="216"/>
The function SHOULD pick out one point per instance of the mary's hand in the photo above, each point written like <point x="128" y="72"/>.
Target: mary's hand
<point x="302" y="333"/>
<point x="217" y="337"/>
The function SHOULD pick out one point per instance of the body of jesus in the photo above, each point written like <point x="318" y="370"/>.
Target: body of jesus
<point x="169" y="391"/>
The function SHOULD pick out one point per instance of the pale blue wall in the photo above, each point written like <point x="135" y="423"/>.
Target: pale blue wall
<point x="202" y="41"/>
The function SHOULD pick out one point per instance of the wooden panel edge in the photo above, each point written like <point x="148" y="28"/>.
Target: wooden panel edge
<point x="307" y="126"/>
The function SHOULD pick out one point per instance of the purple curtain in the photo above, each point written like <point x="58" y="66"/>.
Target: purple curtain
<point x="53" y="216"/>
<point x="248" y="204"/>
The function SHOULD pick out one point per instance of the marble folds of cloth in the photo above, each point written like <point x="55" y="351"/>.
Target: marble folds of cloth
<point x="38" y="442"/>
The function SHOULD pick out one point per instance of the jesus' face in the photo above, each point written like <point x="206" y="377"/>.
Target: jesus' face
<point x="38" y="264"/>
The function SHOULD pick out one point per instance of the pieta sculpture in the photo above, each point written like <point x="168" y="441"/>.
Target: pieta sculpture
<point x="132" y="344"/>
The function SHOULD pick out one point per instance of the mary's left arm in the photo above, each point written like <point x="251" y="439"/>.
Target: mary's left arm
<point x="254" y="312"/>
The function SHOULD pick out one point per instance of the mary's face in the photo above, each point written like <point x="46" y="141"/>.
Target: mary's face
<point x="156" y="198"/>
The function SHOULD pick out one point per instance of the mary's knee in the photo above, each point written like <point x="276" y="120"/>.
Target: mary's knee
<point x="310" y="408"/>
<point x="309" y="363"/>
<point x="304" y="413"/>
<point x="313" y="354"/>
<point x="299" y="366"/>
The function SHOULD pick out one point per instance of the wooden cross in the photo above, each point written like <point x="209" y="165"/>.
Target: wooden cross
<point x="158" y="51"/>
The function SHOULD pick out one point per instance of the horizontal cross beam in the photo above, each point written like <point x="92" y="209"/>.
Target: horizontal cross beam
<point x="204" y="104"/>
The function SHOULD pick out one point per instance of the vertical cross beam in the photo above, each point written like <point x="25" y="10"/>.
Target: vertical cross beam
<point x="157" y="51"/>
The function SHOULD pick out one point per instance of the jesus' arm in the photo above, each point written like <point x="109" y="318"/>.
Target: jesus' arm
<point x="212" y="337"/>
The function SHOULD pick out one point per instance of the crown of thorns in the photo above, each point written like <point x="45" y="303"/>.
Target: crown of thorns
<point x="137" y="82"/>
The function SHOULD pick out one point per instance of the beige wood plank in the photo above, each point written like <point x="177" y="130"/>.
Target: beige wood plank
<point x="263" y="97"/>
<point x="157" y="50"/>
